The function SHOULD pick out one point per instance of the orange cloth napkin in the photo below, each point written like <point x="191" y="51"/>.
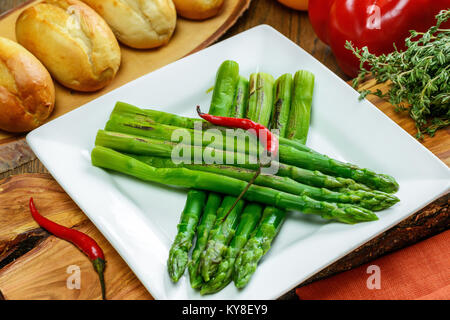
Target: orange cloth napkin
<point x="421" y="271"/>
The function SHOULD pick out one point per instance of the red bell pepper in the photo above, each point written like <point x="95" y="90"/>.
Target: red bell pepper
<point x="377" y="24"/>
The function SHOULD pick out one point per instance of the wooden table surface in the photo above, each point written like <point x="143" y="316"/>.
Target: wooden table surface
<point x="296" y="26"/>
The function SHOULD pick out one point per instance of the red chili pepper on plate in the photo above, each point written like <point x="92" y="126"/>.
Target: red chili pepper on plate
<point x="85" y="243"/>
<point x="377" y="24"/>
<point x="271" y="140"/>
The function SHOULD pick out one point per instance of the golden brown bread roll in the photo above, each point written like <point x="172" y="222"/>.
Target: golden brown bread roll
<point x="141" y="24"/>
<point x="72" y="41"/>
<point x="27" y="93"/>
<point x="198" y="9"/>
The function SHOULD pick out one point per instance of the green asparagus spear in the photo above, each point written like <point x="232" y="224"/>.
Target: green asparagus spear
<point x="372" y="199"/>
<point x="281" y="107"/>
<point x="261" y="97"/>
<point x="141" y="121"/>
<point x="382" y="182"/>
<point x="220" y="237"/>
<point x="203" y="231"/>
<point x="222" y="104"/>
<point x="178" y="255"/>
<point x="121" y="121"/>
<point x="124" y="123"/>
<point x="282" y="103"/>
<point x="241" y="98"/>
<point x="293" y="154"/>
<point x="288" y="155"/>
<point x="149" y="116"/>
<point x="300" y="112"/>
<point x="113" y="160"/>
<point x="257" y="246"/>
<point x="224" y="89"/>
<point x="224" y="227"/>
<point x="259" y="110"/>
<point x="249" y="219"/>
<point x="270" y="225"/>
<point x="145" y="146"/>
<point x="244" y="143"/>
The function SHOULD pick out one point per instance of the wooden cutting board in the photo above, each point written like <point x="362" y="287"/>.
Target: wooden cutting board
<point x="34" y="264"/>
<point x="439" y="144"/>
<point x="189" y="37"/>
<point x="43" y="271"/>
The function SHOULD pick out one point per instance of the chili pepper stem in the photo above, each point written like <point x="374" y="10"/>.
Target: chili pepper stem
<point x="85" y="243"/>
<point x="241" y="195"/>
<point x="99" y="266"/>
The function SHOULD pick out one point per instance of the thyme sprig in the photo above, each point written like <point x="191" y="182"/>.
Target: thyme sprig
<point x="419" y="76"/>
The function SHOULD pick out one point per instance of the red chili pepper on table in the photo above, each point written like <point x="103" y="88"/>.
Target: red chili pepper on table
<point x="377" y="24"/>
<point x="85" y="243"/>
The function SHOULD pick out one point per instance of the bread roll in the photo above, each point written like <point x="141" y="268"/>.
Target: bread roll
<point x="198" y="9"/>
<point x="27" y="94"/>
<point x="72" y="41"/>
<point x="139" y="24"/>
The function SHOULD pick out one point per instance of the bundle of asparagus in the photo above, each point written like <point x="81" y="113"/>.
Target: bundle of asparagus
<point x="259" y="110"/>
<point x="138" y="142"/>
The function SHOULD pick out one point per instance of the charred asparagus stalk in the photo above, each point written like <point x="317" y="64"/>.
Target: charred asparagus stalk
<point x="288" y="155"/>
<point x="261" y="97"/>
<point x="259" y="110"/>
<point x="113" y="160"/>
<point x="226" y="87"/>
<point x="281" y="104"/>
<point x="241" y="98"/>
<point x="300" y="112"/>
<point x="220" y="237"/>
<point x="257" y="246"/>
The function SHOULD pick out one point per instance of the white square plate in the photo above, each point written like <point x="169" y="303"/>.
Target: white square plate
<point x="140" y="219"/>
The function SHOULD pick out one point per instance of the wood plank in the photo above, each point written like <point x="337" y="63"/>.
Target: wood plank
<point x="40" y="270"/>
<point x="439" y="144"/>
<point x="6" y="5"/>
<point x="14" y="153"/>
<point x="42" y="273"/>
<point x="15" y="217"/>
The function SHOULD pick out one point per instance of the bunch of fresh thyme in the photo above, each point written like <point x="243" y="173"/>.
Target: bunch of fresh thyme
<point x="419" y="76"/>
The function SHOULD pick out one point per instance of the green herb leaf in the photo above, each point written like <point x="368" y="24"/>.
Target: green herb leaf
<point x="419" y="76"/>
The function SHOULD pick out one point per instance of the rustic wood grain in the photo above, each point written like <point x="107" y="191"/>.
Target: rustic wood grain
<point x="15" y="217"/>
<point x="427" y="222"/>
<point x="6" y="5"/>
<point x="40" y="272"/>
<point x="14" y="153"/>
